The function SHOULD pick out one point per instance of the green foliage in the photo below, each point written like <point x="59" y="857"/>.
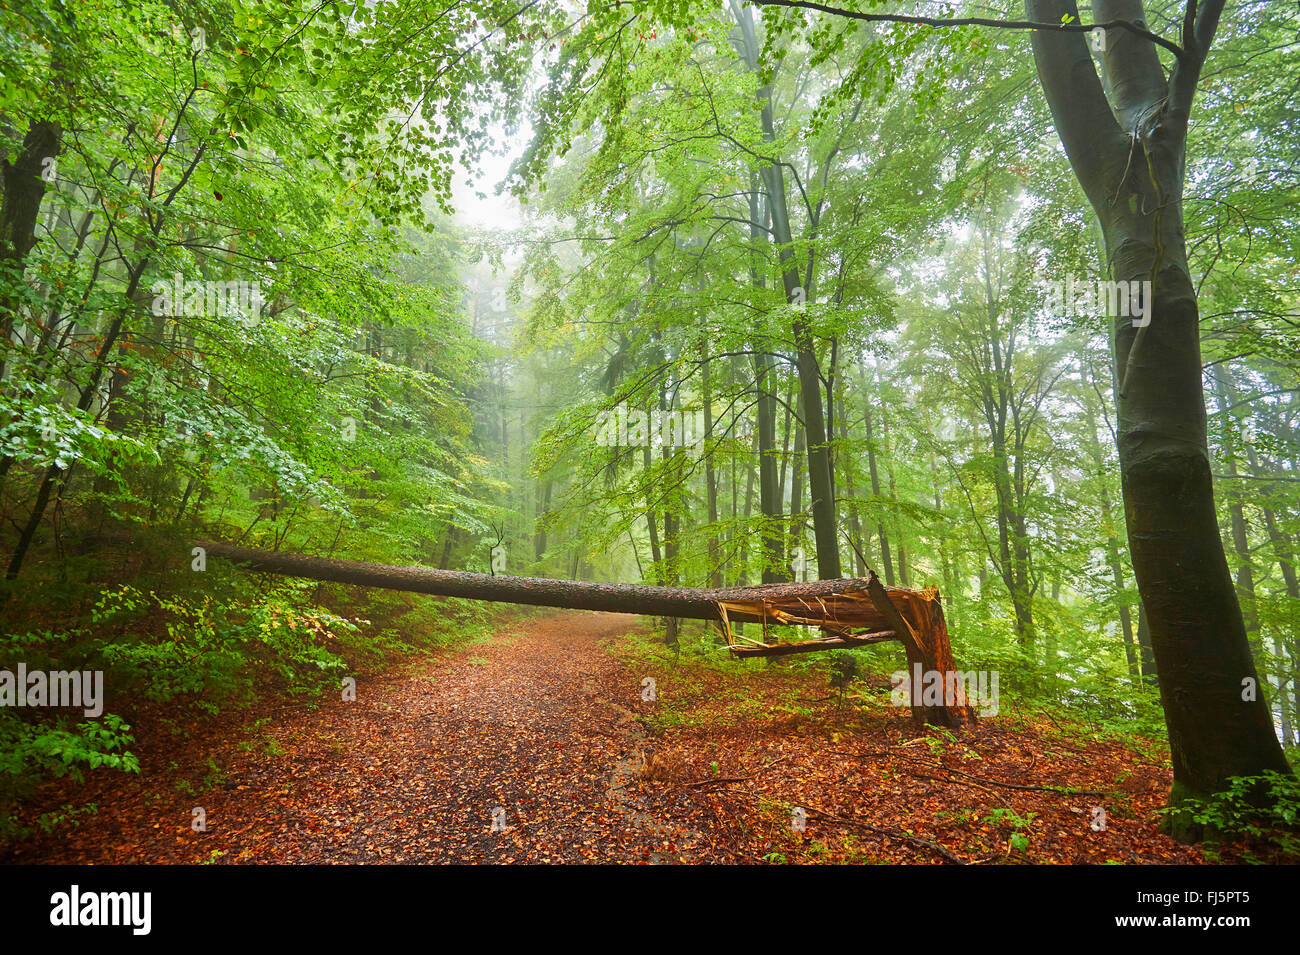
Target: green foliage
<point x="210" y="652"/>
<point x="1265" y="807"/>
<point x="32" y="751"/>
<point x="1021" y="826"/>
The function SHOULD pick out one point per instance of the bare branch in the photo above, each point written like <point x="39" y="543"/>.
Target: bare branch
<point x="943" y="22"/>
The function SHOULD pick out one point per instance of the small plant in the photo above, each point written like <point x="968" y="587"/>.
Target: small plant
<point x="216" y="776"/>
<point x="1004" y="816"/>
<point x="30" y="752"/>
<point x="1021" y="825"/>
<point x="67" y="814"/>
<point x="1263" y="807"/>
<point x="939" y="745"/>
<point x="844" y="670"/>
<point x="963" y="816"/>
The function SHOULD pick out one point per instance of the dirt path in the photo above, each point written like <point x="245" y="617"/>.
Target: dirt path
<point x="521" y="749"/>
<point x="530" y="747"/>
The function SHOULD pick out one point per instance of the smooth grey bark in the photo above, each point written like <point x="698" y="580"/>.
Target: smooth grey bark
<point x="949" y="590"/>
<point x="652" y="527"/>
<point x="539" y="523"/>
<point x="1126" y="142"/>
<point x="796" y="498"/>
<point x="769" y="498"/>
<point x="710" y="478"/>
<point x="874" y="471"/>
<point x="893" y="497"/>
<point x="855" y="522"/>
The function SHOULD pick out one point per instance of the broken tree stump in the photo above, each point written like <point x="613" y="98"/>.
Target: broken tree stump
<point x="925" y="639"/>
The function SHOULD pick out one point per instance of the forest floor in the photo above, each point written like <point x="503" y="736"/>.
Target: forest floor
<point x="537" y="746"/>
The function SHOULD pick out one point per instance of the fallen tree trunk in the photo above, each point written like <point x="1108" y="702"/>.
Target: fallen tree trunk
<point x="913" y="617"/>
<point x="689" y="602"/>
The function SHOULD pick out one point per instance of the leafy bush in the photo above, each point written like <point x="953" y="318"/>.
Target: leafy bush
<point x="214" y="651"/>
<point x="1263" y="807"/>
<point x="31" y="752"/>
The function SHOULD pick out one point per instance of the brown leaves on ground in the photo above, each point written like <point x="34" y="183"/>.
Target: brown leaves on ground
<point x="539" y="747"/>
<point x="778" y="772"/>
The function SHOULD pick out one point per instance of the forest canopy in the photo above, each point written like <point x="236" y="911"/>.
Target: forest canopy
<point x="1000" y="298"/>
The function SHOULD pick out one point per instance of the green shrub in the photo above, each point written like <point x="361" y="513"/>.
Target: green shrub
<point x="1264" y="807"/>
<point x="31" y="752"/>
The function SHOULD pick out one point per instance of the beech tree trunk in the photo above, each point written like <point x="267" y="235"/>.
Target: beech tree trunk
<point x="20" y="203"/>
<point x="1126" y="141"/>
<point x="769" y="499"/>
<point x="886" y="560"/>
<point x="806" y="366"/>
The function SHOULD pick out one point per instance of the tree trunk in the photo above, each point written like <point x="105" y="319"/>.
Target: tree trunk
<point x="689" y="602"/>
<point x="796" y="507"/>
<point x="809" y="373"/>
<point x="769" y="500"/>
<point x="20" y="204"/>
<point x="656" y="554"/>
<point x="855" y="523"/>
<point x="1149" y="673"/>
<point x="893" y="497"/>
<point x="539" y="534"/>
<point x="949" y="589"/>
<point x="1127" y="145"/>
<point x="769" y="503"/>
<point x="711" y="481"/>
<point x="673" y="507"/>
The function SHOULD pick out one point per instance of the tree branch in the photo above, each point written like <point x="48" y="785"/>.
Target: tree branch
<point x="943" y="22"/>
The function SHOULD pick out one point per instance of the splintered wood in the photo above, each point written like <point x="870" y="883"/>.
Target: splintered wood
<point x="852" y="618"/>
<point x="864" y="613"/>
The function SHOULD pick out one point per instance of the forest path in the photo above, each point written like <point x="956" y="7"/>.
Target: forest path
<point x="531" y="729"/>
<point x="542" y="728"/>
